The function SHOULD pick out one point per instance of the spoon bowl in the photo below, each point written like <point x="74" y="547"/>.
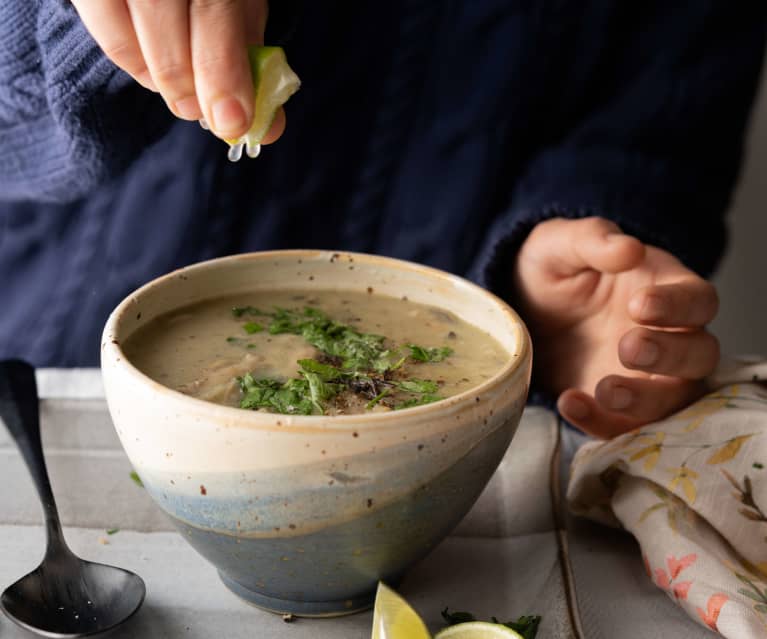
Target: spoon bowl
<point x="70" y="597"/>
<point x="65" y="596"/>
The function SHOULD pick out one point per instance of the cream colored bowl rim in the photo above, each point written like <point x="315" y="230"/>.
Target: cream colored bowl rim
<point x="111" y="349"/>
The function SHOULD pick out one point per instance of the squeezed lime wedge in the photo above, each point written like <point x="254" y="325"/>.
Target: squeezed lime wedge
<point x="273" y="84"/>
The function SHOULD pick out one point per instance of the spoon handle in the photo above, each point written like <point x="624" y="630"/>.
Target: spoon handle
<point x="19" y="409"/>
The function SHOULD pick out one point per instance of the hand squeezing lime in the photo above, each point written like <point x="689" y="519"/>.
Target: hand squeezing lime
<point x="273" y="83"/>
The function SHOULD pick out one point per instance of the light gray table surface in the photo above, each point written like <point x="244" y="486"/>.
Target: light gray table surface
<point x="511" y="555"/>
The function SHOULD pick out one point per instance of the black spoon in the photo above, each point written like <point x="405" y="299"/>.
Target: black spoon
<point x="65" y="596"/>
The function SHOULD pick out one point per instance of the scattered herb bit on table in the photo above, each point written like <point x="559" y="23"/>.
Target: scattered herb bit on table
<point x="526" y="625"/>
<point x="758" y="465"/>
<point x="136" y="479"/>
<point x="112" y="531"/>
<point x="352" y="364"/>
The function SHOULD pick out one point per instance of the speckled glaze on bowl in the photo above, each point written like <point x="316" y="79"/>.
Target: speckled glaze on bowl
<point x="304" y="514"/>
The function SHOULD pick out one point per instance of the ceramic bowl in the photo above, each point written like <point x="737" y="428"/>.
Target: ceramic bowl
<point x="304" y="514"/>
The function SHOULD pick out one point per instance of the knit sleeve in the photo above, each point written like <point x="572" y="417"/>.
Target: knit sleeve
<point x="646" y="129"/>
<point x="69" y="118"/>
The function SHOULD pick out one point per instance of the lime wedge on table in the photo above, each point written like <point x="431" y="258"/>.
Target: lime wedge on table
<point x="273" y="83"/>
<point x="478" y="630"/>
<point x="393" y="618"/>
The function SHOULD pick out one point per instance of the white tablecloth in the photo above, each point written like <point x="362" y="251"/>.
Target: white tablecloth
<point x="510" y="556"/>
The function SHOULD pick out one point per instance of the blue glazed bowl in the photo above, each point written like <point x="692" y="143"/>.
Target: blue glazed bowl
<point x="304" y="514"/>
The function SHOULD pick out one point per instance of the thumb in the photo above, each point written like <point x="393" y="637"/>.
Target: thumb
<point x="567" y="247"/>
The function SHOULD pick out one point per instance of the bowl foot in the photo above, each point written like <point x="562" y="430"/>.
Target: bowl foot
<point x="278" y="606"/>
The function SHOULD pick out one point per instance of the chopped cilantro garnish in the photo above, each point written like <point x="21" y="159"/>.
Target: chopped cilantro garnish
<point x="252" y="327"/>
<point x="360" y="363"/>
<point x="136" y="479"/>
<point x="422" y="354"/>
<point x="357" y="351"/>
<point x="291" y="397"/>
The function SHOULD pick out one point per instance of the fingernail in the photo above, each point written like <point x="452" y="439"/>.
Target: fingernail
<point x="647" y="354"/>
<point x="228" y="116"/>
<point x="575" y="409"/>
<point x="620" y="398"/>
<point x="654" y="308"/>
<point x="188" y="108"/>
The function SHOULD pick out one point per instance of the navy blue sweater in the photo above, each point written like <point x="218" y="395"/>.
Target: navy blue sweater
<point x="439" y="132"/>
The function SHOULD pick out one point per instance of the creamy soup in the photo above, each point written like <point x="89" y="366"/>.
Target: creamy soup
<point x="315" y="352"/>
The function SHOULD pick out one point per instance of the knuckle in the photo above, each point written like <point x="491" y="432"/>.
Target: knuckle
<point x="146" y="4"/>
<point x="125" y="54"/>
<point x="173" y="74"/>
<point x="211" y="5"/>
<point x="600" y="225"/>
<point x="212" y="63"/>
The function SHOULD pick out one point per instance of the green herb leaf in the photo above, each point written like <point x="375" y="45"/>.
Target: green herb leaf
<point x="112" y="531"/>
<point x="452" y="618"/>
<point x="290" y="398"/>
<point x="415" y="385"/>
<point x="424" y="354"/>
<point x="136" y="479"/>
<point x="232" y="340"/>
<point x="319" y="391"/>
<point x="757" y="465"/>
<point x="377" y="398"/>
<point x="418" y="401"/>
<point x="252" y="327"/>
<point x="326" y="372"/>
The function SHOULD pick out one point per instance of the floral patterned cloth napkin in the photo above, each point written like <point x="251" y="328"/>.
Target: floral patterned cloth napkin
<point x="693" y="490"/>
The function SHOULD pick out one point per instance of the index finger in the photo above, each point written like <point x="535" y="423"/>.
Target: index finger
<point x="689" y="303"/>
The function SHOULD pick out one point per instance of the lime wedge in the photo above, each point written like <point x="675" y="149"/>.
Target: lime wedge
<point x="393" y="618"/>
<point x="273" y="83"/>
<point x="478" y="630"/>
